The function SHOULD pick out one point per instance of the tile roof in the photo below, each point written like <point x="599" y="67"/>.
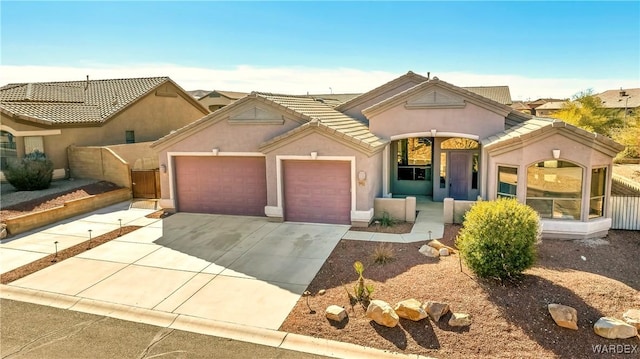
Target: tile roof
<point x="613" y="98"/>
<point x="520" y="105"/>
<point x="537" y="125"/>
<point x="74" y="101"/>
<point x="496" y="93"/>
<point x="553" y="105"/>
<point x="335" y="99"/>
<point x="324" y="114"/>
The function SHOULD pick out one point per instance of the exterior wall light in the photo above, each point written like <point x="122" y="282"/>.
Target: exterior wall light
<point x="433" y="132"/>
<point x="215" y="151"/>
<point x="556" y="153"/>
<point x="314" y="155"/>
<point x="163" y="168"/>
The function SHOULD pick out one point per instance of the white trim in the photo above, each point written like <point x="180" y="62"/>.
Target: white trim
<point x="273" y="211"/>
<point x="171" y="155"/>
<point x="29" y="133"/>
<point x="279" y="180"/>
<point x="438" y="134"/>
<point x="362" y="216"/>
<point x="386" y="158"/>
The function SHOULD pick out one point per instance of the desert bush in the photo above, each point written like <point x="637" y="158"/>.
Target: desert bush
<point x="361" y="292"/>
<point x="31" y="173"/>
<point x="383" y="253"/>
<point x="498" y="238"/>
<point x="385" y="220"/>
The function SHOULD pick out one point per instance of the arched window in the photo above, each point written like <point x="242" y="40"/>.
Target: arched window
<point x="554" y="189"/>
<point x="459" y="144"/>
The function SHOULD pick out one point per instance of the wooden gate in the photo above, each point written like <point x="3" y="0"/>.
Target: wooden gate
<point x="145" y="184"/>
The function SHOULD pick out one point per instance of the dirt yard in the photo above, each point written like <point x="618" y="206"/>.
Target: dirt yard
<point x="598" y="278"/>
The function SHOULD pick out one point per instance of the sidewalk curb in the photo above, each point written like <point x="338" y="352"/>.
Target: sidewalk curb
<point x="267" y="337"/>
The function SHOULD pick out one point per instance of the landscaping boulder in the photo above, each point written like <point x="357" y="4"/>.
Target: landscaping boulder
<point x="3" y="230"/>
<point x="429" y="251"/>
<point x="435" y="309"/>
<point x="632" y="317"/>
<point x="382" y="313"/>
<point x="564" y="316"/>
<point x="460" y="320"/>
<point x="335" y="313"/>
<point x="612" y="328"/>
<point x="443" y="252"/>
<point x="439" y="245"/>
<point x="410" y="309"/>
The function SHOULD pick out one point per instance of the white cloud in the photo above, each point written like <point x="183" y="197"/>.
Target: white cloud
<point x="300" y="80"/>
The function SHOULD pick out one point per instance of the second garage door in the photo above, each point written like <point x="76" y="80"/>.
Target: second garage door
<point x="317" y="191"/>
<point x="222" y="185"/>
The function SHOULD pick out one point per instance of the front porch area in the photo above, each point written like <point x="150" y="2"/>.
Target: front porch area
<point x="429" y="224"/>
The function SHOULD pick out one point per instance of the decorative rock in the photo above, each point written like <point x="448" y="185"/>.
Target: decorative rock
<point x="435" y="309"/>
<point x="382" y="313"/>
<point x="429" y="251"/>
<point x="439" y="245"/>
<point x="336" y="313"/>
<point x="3" y="230"/>
<point x="322" y="292"/>
<point x="612" y="328"/>
<point x="410" y="309"/>
<point x="460" y="320"/>
<point x="564" y="316"/>
<point x="632" y="317"/>
<point x="443" y="252"/>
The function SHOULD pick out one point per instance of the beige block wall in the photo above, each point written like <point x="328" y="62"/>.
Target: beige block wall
<point x="139" y="156"/>
<point x="99" y="163"/>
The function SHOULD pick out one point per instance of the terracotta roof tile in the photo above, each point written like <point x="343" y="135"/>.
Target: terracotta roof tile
<point x="74" y="101"/>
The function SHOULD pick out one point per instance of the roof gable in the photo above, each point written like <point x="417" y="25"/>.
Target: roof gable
<point x="408" y="78"/>
<point x="537" y="128"/>
<point x="76" y="102"/>
<point x="442" y="94"/>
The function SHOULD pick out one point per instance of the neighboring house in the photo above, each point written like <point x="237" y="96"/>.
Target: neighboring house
<point x="198" y="93"/>
<point x="549" y="108"/>
<point x="295" y="158"/>
<point x="627" y="101"/>
<point x="51" y="116"/>
<point x="533" y="105"/>
<point x="217" y="99"/>
<point x="521" y="106"/>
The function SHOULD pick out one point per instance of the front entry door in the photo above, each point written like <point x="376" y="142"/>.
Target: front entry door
<point x="459" y="172"/>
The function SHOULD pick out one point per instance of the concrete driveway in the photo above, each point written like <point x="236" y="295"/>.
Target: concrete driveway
<point x="242" y="270"/>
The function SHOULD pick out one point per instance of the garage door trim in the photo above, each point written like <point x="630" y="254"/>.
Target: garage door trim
<point x="214" y="152"/>
<point x="278" y="209"/>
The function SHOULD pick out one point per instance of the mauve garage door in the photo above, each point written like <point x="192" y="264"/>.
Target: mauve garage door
<point x="317" y="191"/>
<point x="222" y="185"/>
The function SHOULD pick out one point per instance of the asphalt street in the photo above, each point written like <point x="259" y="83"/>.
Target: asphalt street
<point x="35" y="331"/>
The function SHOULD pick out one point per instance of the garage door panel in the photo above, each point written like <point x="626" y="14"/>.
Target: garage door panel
<point x="317" y="191"/>
<point x="222" y="185"/>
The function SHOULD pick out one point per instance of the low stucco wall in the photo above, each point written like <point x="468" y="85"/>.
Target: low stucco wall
<point x="100" y="163"/>
<point x="454" y="210"/>
<point x="400" y="209"/>
<point x="139" y="156"/>
<point x="69" y="209"/>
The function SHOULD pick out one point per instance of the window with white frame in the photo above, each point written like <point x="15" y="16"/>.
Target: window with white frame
<point x="554" y="189"/>
<point x="507" y="182"/>
<point x="598" y="190"/>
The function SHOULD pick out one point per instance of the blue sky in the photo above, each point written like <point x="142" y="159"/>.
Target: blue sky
<point x="579" y="44"/>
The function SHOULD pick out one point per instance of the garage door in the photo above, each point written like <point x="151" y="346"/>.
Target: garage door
<point x="317" y="191"/>
<point x="222" y="185"/>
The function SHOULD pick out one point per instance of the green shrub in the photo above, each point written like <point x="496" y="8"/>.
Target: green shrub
<point x="33" y="172"/>
<point x="498" y="238"/>
<point x="386" y="220"/>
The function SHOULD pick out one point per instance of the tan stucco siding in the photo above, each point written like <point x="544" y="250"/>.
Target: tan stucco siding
<point x="356" y="110"/>
<point x="366" y="190"/>
<point x="471" y="119"/>
<point x="150" y="118"/>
